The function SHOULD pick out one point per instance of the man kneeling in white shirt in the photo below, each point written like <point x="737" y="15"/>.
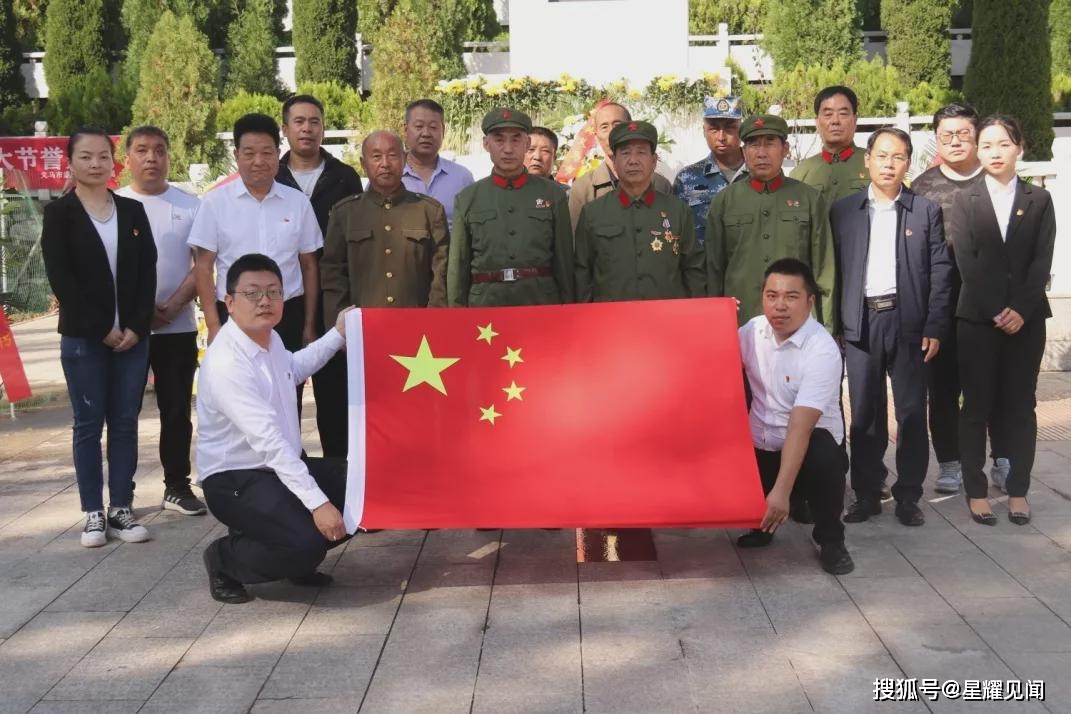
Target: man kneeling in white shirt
<point x="794" y="367"/>
<point x="283" y="511"/>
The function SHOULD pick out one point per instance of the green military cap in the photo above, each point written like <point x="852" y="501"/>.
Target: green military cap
<point x="763" y="125"/>
<point x="628" y="131"/>
<point x="502" y="118"/>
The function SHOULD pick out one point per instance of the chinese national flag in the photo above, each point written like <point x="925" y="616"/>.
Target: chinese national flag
<point x="12" y="374"/>
<point x="623" y="414"/>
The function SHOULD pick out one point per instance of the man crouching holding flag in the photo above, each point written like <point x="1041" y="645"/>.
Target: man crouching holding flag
<point x="793" y="367"/>
<point x="283" y="510"/>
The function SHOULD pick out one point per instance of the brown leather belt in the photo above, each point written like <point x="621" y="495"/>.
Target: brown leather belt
<point x="510" y="275"/>
<point x="881" y="303"/>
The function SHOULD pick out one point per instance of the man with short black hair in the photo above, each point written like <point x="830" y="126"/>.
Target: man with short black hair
<point x="283" y="511"/>
<point x="173" y="345"/>
<point x="542" y="152"/>
<point x="425" y="171"/>
<point x="837" y="170"/>
<point x="793" y="367"/>
<point x="326" y="181"/>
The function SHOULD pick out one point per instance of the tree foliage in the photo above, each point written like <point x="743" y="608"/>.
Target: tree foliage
<point x="343" y="106"/>
<point x="98" y="99"/>
<point x="813" y="32"/>
<point x="324" y="40"/>
<point x="12" y="90"/>
<point x="74" y="43"/>
<point x="1060" y="36"/>
<point x="403" y="70"/>
<point x="30" y="23"/>
<point x="177" y="92"/>
<point x="742" y="16"/>
<point x="919" y="45"/>
<point x="244" y="103"/>
<point x="251" y="43"/>
<point x="1010" y="70"/>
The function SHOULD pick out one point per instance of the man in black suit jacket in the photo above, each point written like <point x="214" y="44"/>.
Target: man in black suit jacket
<point x="895" y="278"/>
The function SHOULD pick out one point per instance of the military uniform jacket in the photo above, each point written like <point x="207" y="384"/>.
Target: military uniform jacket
<point x="637" y="249"/>
<point x="384" y="252"/>
<point x="834" y="175"/>
<point x="697" y="184"/>
<point x="598" y="183"/>
<point x="501" y="224"/>
<point x="752" y="224"/>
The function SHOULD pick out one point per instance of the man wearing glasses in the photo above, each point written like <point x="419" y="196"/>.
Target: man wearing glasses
<point x="895" y="277"/>
<point x="283" y="511"/>
<point x="956" y="128"/>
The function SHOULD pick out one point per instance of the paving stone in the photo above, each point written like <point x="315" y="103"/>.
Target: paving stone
<point x="352" y="611"/>
<point x="212" y="689"/>
<point x="388" y="565"/>
<point x="305" y="706"/>
<point x="314" y="665"/>
<point x="895" y="601"/>
<point x="715" y="606"/>
<point x="966" y="575"/>
<point x="236" y="638"/>
<point x="1051" y="668"/>
<point x="697" y="553"/>
<point x="840" y="683"/>
<point x="1017" y="625"/>
<point x="110" y="706"/>
<point x="121" y="668"/>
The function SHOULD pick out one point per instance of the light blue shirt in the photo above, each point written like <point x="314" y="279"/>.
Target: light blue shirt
<point x="448" y="180"/>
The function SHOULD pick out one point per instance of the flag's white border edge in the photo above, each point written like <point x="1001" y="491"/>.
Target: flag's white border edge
<point x="355" y="470"/>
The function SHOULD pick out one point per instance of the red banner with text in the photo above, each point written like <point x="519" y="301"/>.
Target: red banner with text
<point x="42" y="160"/>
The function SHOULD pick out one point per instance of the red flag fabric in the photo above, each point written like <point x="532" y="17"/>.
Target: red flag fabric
<point x="623" y="414"/>
<point x="16" y="386"/>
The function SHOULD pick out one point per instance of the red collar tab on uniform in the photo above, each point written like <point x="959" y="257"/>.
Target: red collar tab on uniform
<point x="503" y="182"/>
<point x="625" y="200"/>
<point x="842" y="155"/>
<point x="768" y="186"/>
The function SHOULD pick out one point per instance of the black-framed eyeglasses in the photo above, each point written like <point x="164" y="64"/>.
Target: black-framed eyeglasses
<point x="945" y="137"/>
<point x="256" y="295"/>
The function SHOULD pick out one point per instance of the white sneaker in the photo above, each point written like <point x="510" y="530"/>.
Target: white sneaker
<point x="949" y="478"/>
<point x="999" y="473"/>
<point x="93" y="535"/>
<point x="123" y="525"/>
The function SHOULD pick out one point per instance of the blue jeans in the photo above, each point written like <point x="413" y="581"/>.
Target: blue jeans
<point x="104" y="386"/>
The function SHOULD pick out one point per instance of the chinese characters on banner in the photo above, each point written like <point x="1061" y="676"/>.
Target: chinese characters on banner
<point x="42" y="159"/>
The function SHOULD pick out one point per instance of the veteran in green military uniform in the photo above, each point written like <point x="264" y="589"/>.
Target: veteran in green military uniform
<point x="753" y="223"/>
<point x="385" y="247"/>
<point x="637" y="243"/>
<point x="512" y="241"/>
<point x="838" y="170"/>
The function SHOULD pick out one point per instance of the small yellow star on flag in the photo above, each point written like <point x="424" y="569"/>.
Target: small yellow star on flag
<point x="514" y="392"/>
<point x="424" y="367"/>
<point x="489" y="414"/>
<point x="487" y="333"/>
<point x="513" y="356"/>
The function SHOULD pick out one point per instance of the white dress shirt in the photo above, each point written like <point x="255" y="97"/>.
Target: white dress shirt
<point x="881" y="255"/>
<point x="802" y="371"/>
<point x="232" y="223"/>
<point x="171" y="215"/>
<point x="1003" y="198"/>
<point x="247" y="409"/>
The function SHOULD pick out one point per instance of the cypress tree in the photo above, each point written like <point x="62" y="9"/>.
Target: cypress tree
<point x="324" y="40"/>
<point x="139" y="17"/>
<point x="1010" y="70"/>
<point x="74" y="42"/>
<point x="403" y="68"/>
<point x="251" y="42"/>
<point x="177" y="92"/>
<point x="1060" y="36"/>
<point x="372" y="15"/>
<point x="919" y="46"/>
<point x="813" y="32"/>
<point x="12" y="90"/>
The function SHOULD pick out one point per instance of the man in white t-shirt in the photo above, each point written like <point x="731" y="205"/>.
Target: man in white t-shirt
<point x="173" y="345"/>
<point x="793" y="367"/>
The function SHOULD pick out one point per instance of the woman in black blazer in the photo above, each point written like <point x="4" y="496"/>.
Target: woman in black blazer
<point x="101" y="262"/>
<point x="1003" y="232"/>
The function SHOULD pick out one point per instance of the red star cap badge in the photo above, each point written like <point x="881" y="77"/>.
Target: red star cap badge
<point x="760" y="123"/>
<point x="632" y="126"/>
<point x="505" y="113"/>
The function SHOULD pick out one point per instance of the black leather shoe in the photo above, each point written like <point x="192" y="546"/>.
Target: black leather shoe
<point x="221" y="586"/>
<point x="835" y="559"/>
<point x="755" y="539"/>
<point x="801" y="512"/>
<point x="862" y="510"/>
<point x="909" y="514"/>
<point x="1019" y="518"/>
<point x="315" y="579"/>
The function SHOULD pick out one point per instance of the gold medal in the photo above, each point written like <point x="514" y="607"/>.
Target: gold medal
<point x="656" y="245"/>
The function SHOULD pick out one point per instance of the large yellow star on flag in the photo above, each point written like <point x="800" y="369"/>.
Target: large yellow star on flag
<point x="489" y="414"/>
<point x="514" y="392"/>
<point x="487" y="333"/>
<point x="424" y="367"/>
<point x="513" y="356"/>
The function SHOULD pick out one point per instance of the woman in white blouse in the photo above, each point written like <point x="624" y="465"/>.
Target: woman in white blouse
<point x="1003" y="231"/>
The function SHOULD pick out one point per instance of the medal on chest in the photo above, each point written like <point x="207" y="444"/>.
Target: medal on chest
<point x="668" y="234"/>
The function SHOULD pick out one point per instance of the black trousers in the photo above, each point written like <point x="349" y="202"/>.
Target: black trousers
<point x="329" y="386"/>
<point x="882" y="351"/>
<point x="272" y="534"/>
<point x="290" y="329"/>
<point x="999" y="373"/>
<point x="173" y="359"/>
<point x="821" y="479"/>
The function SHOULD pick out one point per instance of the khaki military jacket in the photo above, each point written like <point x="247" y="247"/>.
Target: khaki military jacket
<point x="834" y="175"/>
<point x="384" y="252"/>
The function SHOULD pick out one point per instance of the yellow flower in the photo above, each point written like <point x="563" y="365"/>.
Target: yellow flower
<point x="711" y="77"/>
<point x="634" y="94"/>
<point x="666" y="83"/>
